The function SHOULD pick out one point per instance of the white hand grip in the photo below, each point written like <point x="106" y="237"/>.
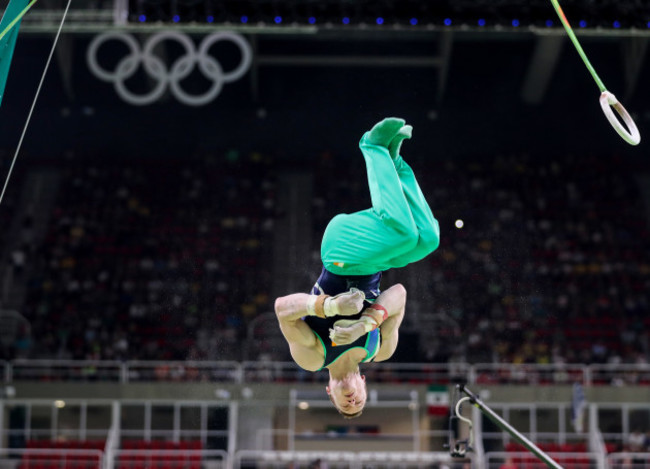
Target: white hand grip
<point x="609" y="101"/>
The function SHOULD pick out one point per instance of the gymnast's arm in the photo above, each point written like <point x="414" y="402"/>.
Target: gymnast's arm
<point x="290" y="310"/>
<point x="394" y="300"/>
<point x="303" y="343"/>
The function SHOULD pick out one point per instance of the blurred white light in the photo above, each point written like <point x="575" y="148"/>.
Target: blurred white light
<point x="459" y="224"/>
<point x="303" y="405"/>
<point x="59" y="404"/>
<point x="222" y="393"/>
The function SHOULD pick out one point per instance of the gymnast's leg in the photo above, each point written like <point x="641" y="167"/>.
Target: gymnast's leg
<point x="389" y="201"/>
<point x="427" y="226"/>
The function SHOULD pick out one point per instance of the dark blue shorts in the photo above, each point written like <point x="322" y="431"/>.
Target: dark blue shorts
<point x="333" y="284"/>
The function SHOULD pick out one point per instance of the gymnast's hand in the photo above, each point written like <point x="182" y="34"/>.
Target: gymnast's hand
<point x="345" y="304"/>
<point x="346" y="331"/>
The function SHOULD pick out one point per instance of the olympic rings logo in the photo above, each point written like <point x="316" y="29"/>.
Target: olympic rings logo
<point x="170" y="77"/>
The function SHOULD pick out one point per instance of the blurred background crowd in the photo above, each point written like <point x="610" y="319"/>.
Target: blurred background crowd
<point x="165" y="231"/>
<point x="175" y="260"/>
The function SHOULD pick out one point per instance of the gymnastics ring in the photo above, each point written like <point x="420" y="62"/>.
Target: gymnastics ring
<point x="631" y="134"/>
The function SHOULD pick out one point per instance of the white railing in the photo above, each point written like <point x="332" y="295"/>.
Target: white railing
<point x="623" y="374"/>
<point x="629" y="460"/>
<point x="278" y="372"/>
<point x="63" y="370"/>
<point x="179" y="458"/>
<point x="182" y="371"/>
<point x="525" y="459"/>
<point x="385" y="372"/>
<point x="112" y="441"/>
<point x="122" y="372"/>
<point x="38" y="458"/>
<point x="530" y="374"/>
<point x="264" y="436"/>
<point x="343" y="459"/>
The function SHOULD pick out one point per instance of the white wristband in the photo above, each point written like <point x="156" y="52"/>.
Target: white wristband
<point x="368" y="323"/>
<point x="330" y="307"/>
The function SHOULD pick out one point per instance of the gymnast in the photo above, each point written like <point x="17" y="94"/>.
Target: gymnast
<point x="347" y="320"/>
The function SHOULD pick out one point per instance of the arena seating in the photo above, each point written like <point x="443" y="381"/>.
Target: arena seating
<point x="549" y="267"/>
<point x="69" y="454"/>
<point x="169" y="250"/>
<point x="136" y="454"/>
<point x="141" y="454"/>
<point x="8" y="212"/>
<point x="567" y="454"/>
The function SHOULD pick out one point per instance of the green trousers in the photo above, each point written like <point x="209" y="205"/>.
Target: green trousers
<point x="397" y="230"/>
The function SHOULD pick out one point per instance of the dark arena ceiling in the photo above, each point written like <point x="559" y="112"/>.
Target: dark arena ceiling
<point x="472" y="76"/>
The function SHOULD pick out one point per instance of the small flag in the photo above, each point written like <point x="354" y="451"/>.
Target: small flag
<point x="578" y="405"/>
<point x="438" y="400"/>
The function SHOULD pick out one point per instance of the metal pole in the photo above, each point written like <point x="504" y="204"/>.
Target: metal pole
<point x="494" y="417"/>
<point x="2" y="424"/>
<point x="292" y="420"/>
<point x="233" y="431"/>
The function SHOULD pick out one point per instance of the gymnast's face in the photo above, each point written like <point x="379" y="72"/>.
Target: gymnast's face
<point x="348" y="394"/>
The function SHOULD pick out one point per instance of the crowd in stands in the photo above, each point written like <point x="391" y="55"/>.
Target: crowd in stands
<point x="9" y="203"/>
<point x="14" y="330"/>
<point x="153" y="260"/>
<point x="569" y="269"/>
<point x="550" y="265"/>
<point x="172" y="260"/>
<point x="578" y="262"/>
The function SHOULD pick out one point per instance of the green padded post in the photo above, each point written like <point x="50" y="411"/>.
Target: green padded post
<point x="15" y="9"/>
